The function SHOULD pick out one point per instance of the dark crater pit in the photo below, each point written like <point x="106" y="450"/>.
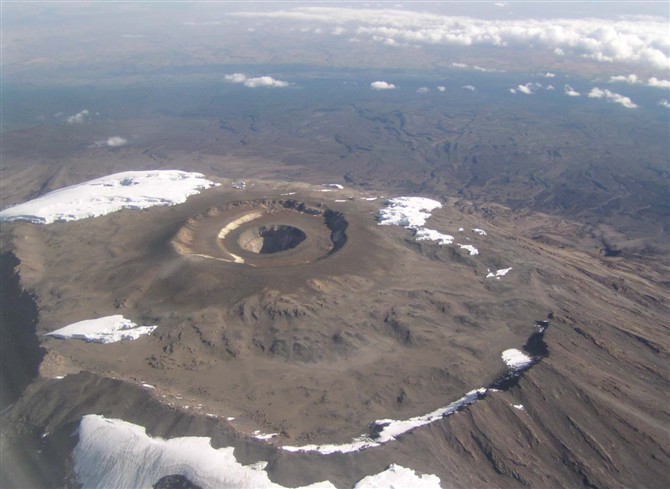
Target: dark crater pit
<point x="271" y="239"/>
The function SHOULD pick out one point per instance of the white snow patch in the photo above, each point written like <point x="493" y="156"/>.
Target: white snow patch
<point x="230" y="418"/>
<point x="461" y="230"/>
<point x="409" y="212"/>
<point x="370" y="199"/>
<point x="59" y="377"/>
<point x="471" y="249"/>
<point x="424" y="234"/>
<point x="115" y="453"/>
<point x="288" y="193"/>
<point x="264" y="436"/>
<point x="499" y="273"/>
<point x="397" y="476"/>
<point x="108" y="329"/>
<point x="480" y="232"/>
<point x="519" y="407"/>
<point x="392" y="429"/>
<point x="516" y="359"/>
<point x="332" y="185"/>
<point x="126" y="190"/>
<point x="148" y="386"/>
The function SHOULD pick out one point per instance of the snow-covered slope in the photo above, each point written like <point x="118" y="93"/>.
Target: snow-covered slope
<point x="126" y="190"/>
<point x="391" y="429"/>
<point x="115" y="453"/>
<point x="399" y="477"/>
<point x="409" y="212"/>
<point x="412" y="213"/>
<point x="108" y="329"/>
<point x="516" y="359"/>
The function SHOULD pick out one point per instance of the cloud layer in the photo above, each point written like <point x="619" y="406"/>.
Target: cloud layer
<point x="260" y="81"/>
<point x="642" y="41"/>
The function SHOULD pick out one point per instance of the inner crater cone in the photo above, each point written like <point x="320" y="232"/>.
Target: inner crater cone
<point x="271" y="239"/>
<point x="264" y="233"/>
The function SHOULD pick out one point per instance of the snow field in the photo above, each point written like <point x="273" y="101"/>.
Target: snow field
<point x="108" y="329"/>
<point x="115" y="453"/>
<point x="126" y="190"/>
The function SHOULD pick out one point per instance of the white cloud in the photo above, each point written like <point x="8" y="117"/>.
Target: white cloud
<point x="664" y="103"/>
<point x="550" y="87"/>
<point x="260" y="81"/>
<point x="265" y="81"/>
<point x="338" y="31"/>
<point x="382" y="85"/>
<point x="116" y="141"/>
<point x="630" y="79"/>
<point x="549" y="75"/>
<point x="459" y="65"/>
<point x="441" y="88"/>
<point x="641" y="41"/>
<point x="655" y="82"/>
<point x="469" y="87"/>
<point x="484" y="70"/>
<point x="206" y="22"/>
<point x="235" y="78"/>
<point x="612" y="97"/>
<point x="571" y="92"/>
<point x="529" y="88"/>
<point x="633" y="79"/>
<point x="422" y="90"/>
<point x="79" y="117"/>
<point x="501" y="4"/>
<point x="512" y="90"/>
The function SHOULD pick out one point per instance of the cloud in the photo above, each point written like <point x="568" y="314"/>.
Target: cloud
<point x="529" y="88"/>
<point x="571" y="92"/>
<point x="656" y="83"/>
<point x="550" y="87"/>
<point x="441" y="88"/>
<point x="501" y="4"/>
<point x="630" y="79"/>
<point x="382" y="85"/>
<point x="485" y="70"/>
<point x="612" y="97"/>
<point x="235" y="78"/>
<point x="206" y="22"/>
<point x="664" y="103"/>
<point x="422" y="90"/>
<point x="633" y="79"/>
<point x="641" y="41"/>
<point x="265" y="81"/>
<point x="116" y="141"/>
<point x="260" y="81"/>
<point x="512" y="90"/>
<point x="459" y="65"/>
<point x="79" y="117"/>
<point x="549" y="75"/>
<point x="469" y="87"/>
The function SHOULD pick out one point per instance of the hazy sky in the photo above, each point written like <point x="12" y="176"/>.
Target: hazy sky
<point x="54" y="40"/>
